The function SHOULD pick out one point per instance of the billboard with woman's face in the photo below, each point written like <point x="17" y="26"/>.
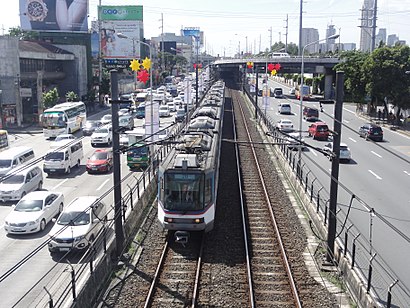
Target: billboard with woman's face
<point x="54" y="15"/>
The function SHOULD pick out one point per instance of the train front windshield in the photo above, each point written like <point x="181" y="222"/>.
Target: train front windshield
<point x="183" y="192"/>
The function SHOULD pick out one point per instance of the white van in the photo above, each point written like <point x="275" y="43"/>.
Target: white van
<point x="14" y="157"/>
<point x="17" y="184"/>
<point x="78" y="225"/>
<point x="62" y="156"/>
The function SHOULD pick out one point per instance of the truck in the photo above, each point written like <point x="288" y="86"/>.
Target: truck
<point x="305" y="92"/>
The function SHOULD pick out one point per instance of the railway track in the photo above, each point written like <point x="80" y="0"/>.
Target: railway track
<point x="270" y="277"/>
<point x="216" y="270"/>
<point x="176" y="278"/>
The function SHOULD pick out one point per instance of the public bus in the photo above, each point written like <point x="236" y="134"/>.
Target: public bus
<point x="64" y="118"/>
<point x="138" y="152"/>
<point x="4" y="140"/>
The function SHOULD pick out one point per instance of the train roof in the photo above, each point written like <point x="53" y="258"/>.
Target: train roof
<point x="198" y="145"/>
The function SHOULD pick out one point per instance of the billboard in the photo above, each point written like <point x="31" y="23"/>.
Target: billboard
<point x="123" y="12"/>
<point x="52" y="15"/>
<point x="170" y="47"/>
<point x="120" y="39"/>
<point x="121" y="31"/>
<point x="191" y="32"/>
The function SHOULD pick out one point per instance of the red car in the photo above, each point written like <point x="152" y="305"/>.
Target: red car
<point x="100" y="161"/>
<point x="319" y="130"/>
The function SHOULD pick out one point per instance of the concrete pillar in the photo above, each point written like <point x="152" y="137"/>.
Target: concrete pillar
<point x="329" y="91"/>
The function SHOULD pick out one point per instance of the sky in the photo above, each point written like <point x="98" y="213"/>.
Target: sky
<point x="229" y="25"/>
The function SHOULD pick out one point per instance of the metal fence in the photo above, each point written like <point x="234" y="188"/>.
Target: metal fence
<point x="377" y="277"/>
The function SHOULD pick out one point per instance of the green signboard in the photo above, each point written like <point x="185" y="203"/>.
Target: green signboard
<point x="121" y="12"/>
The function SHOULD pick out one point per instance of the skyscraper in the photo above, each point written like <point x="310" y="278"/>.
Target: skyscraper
<point x="310" y="35"/>
<point x="366" y="25"/>
<point x="381" y="37"/>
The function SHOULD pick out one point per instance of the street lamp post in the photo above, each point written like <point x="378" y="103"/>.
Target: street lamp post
<point x="151" y="133"/>
<point x="334" y="36"/>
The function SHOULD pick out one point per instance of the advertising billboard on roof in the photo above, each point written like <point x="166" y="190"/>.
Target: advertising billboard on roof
<point x="121" y="12"/>
<point x="52" y="15"/>
<point x="121" y="31"/>
<point x="191" y="32"/>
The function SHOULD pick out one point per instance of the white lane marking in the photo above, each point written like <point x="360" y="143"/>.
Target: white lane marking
<point x="313" y="152"/>
<point x="376" y="154"/>
<point x="406" y="172"/>
<point x="346" y="121"/>
<point x="376" y="176"/>
<point x="1" y="226"/>
<point x="351" y="111"/>
<point x="59" y="184"/>
<point x="354" y="140"/>
<point x="102" y="185"/>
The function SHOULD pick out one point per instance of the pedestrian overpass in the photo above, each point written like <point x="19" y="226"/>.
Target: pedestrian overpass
<point x="234" y="68"/>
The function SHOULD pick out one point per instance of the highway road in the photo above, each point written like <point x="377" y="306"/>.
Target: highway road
<point x="379" y="174"/>
<point x="24" y="287"/>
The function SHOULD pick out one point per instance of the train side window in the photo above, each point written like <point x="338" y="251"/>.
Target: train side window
<point x="208" y="190"/>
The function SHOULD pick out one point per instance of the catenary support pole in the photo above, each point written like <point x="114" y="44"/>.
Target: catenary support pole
<point x="119" y="233"/>
<point x="337" y="128"/>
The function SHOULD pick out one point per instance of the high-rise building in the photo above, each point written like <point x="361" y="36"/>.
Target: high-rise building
<point x="310" y="35"/>
<point x="366" y="24"/>
<point x="381" y="37"/>
<point x="392" y="39"/>
<point x="330" y="44"/>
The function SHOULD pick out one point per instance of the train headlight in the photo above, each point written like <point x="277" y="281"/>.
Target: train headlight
<point x="170" y="220"/>
<point x="198" y="220"/>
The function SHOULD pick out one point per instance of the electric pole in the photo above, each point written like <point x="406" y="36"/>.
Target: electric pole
<point x="119" y="232"/>
<point x="286" y="33"/>
<point x="300" y="29"/>
<point x="374" y="25"/>
<point x="162" y="39"/>
<point x="334" y="181"/>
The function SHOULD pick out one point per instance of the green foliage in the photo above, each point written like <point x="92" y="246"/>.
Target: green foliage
<point x="50" y="98"/>
<point x="23" y="34"/>
<point x="292" y="49"/>
<point x="71" y="96"/>
<point x="386" y="77"/>
<point x="352" y="63"/>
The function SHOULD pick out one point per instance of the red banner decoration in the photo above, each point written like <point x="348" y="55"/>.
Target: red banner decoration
<point x="249" y="64"/>
<point x="271" y="67"/>
<point x="143" y="76"/>
<point x="277" y="67"/>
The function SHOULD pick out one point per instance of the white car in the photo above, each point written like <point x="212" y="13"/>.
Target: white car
<point x="78" y="225"/>
<point x="284" y="125"/>
<point x="106" y="119"/>
<point x="33" y="212"/>
<point x="123" y="111"/>
<point x="171" y="106"/>
<point x="102" y="135"/>
<point x="64" y="137"/>
<point x="178" y="101"/>
<point x="284" y="108"/>
<point x="164" y="111"/>
<point x="293" y="143"/>
<point x="344" y="155"/>
<point x="292" y="91"/>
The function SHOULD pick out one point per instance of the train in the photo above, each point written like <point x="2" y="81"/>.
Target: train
<point x="188" y="175"/>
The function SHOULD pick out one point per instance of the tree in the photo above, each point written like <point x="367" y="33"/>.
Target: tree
<point x="23" y="34"/>
<point x="50" y="98"/>
<point x="71" y="96"/>
<point x="386" y="74"/>
<point x="352" y="63"/>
